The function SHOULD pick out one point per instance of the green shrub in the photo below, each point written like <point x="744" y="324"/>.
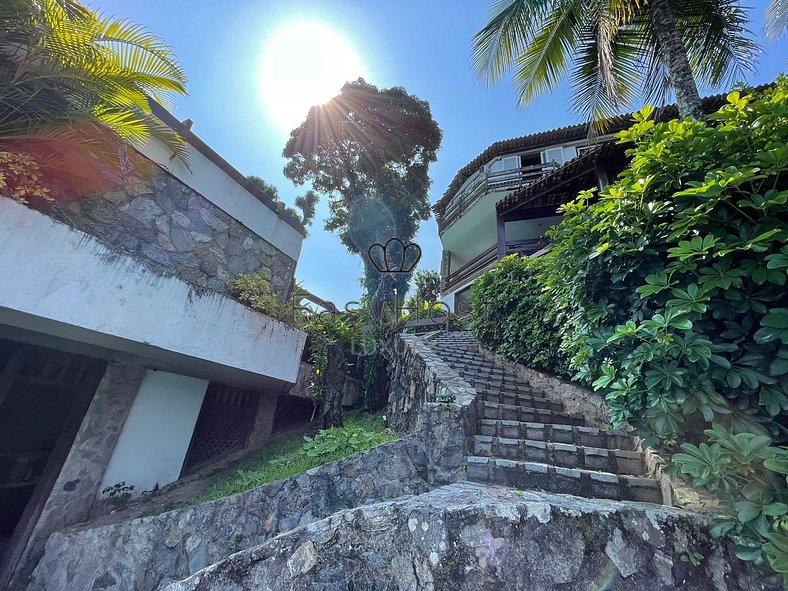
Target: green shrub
<point x="674" y="282"/>
<point x="342" y="441"/>
<point x="513" y="317"/>
<point x="254" y="289"/>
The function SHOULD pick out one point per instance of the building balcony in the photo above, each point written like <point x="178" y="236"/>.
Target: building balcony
<point x="479" y="264"/>
<point x="484" y="182"/>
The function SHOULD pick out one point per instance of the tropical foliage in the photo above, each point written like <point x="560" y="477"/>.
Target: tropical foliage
<point x="306" y="203"/>
<point x="513" y="317"/>
<point x="428" y="285"/>
<point x="776" y="18"/>
<point x="255" y="290"/>
<point x="74" y="86"/>
<point x="614" y="52"/>
<point x="672" y="286"/>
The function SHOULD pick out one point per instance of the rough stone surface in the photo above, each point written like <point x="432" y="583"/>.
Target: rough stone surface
<point x="76" y="487"/>
<point x="178" y="231"/>
<point x="142" y="554"/>
<point x="466" y="537"/>
<point x="429" y="398"/>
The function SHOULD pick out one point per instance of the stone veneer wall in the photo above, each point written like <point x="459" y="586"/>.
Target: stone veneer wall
<point x="177" y="231"/>
<point x="429" y="398"/>
<point x="143" y="554"/>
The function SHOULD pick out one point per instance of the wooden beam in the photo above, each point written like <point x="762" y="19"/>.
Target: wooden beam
<point x="531" y="213"/>
<point x="9" y="374"/>
<point x="501" y="227"/>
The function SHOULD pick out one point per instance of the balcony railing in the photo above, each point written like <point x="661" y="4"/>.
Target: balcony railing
<point x="472" y="269"/>
<point x="479" y="264"/>
<point x="484" y="182"/>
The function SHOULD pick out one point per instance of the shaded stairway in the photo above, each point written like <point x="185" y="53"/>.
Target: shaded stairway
<point x="527" y="441"/>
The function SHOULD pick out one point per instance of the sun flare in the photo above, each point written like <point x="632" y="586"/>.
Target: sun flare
<point x="305" y="64"/>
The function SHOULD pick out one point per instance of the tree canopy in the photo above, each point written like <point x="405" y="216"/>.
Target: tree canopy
<point x="368" y="150"/>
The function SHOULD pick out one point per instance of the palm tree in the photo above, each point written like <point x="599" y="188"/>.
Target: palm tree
<point x="615" y="50"/>
<point x="72" y="80"/>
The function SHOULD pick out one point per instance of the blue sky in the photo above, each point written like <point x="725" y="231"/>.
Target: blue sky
<point x="421" y="45"/>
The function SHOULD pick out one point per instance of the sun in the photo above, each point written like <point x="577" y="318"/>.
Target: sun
<point x="305" y="64"/>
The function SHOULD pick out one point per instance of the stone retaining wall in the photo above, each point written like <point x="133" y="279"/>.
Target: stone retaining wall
<point x="465" y="537"/>
<point x="428" y="398"/>
<point x="177" y="231"/>
<point x="143" y="554"/>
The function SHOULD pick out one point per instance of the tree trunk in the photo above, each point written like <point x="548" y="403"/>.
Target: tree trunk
<point x="375" y="382"/>
<point x="336" y="374"/>
<point x="674" y="56"/>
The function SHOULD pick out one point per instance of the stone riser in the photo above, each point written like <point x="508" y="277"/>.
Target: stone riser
<point x="510" y="412"/>
<point x="521" y="400"/>
<point x="536" y="431"/>
<point x="484" y="386"/>
<point x="561" y="454"/>
<point x="571" y="481"/>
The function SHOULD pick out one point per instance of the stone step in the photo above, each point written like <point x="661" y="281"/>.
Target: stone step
<point x="482" y="381"/>
<point x="512" y="412"/>
<point x="557" y="479"/>
<point x="561" y="454"/>
<point x="532" y="400"/>
<point x="509" y="388"/>
<point x="539" y="431"/>
<point x="480" y="367"/>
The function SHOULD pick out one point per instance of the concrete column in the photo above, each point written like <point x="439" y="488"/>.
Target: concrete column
<point x="157" y="433"/>
<point x="264" y="420"/>
<point x="76" y="486"/>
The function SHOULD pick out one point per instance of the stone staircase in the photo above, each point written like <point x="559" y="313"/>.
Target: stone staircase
<point x="527" y="441"/>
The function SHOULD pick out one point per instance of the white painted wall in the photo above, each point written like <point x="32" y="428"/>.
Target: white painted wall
<point x="156" y="435"/>
<point x="65" y="283"/>
<point x="220" y="189"/>
<point x="535" y="228"/>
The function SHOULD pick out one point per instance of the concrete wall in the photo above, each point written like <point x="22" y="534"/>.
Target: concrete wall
<point x="70" y="285"/>
<point x="156" y="435"/>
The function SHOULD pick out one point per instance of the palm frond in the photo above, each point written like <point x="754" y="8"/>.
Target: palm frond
<point x="510" y="28"/>
<point x="593" y="99"/>
<point x="545" y="60"/>
<point x="62" y="63"/>
<point x="776" y="18"/>
<point x="719" y="45"/>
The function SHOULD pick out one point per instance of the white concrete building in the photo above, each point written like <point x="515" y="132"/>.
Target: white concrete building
<point x="123" y="356"/>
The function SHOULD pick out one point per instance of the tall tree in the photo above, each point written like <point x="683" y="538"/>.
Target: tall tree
<point x="368" y="150"/>
<point x="71" y="80"/>
<point x="615" y="50"/>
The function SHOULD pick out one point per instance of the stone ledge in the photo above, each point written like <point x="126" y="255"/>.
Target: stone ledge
<point x="467" y="537"/>
<point x="142" y="554"/>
